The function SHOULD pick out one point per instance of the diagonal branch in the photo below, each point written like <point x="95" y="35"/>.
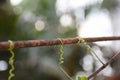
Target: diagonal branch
<point x="36" y="43"/>
<point x="104" y="66"/>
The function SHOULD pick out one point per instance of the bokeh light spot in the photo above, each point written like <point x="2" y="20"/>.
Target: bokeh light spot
<point x="39" y="25"/>
<point x="3" y="65"/>
<point x="66" y="20"/>
<point x="15" y="2"/>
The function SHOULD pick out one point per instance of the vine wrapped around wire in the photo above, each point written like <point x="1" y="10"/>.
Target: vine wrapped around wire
<point x="61" y="60"/>
<point x="90" y="49"/>
<point x="11" y="60"/>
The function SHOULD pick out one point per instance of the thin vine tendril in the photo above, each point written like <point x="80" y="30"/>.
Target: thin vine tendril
<point x="11" y="60"/>
<point x="90" y="49"/>
<point x="61" y="59"/>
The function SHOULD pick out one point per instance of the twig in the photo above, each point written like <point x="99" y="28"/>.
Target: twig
<point x="104" y="66"/>
<point x="35" y="43"/>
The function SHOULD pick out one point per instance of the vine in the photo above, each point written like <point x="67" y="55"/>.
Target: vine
<point x="61" y="60"/>
<point x="11" y="60"/>
<point x="10" y="45"/>
<point x="81" y="40"/>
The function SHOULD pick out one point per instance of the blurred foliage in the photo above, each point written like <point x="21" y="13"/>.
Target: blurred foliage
<point x="18" y="23"/>
<point x="8" y="21"/>
<point x="109" y="4"/>
<point x="43" y="8"/>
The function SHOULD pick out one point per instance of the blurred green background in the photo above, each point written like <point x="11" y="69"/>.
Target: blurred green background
<point x="50" y="19"/>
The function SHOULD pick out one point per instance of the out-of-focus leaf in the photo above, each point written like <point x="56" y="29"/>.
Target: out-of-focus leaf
<point x="109" y="4"/>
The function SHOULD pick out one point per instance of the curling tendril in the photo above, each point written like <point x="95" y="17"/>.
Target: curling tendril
<point x="11" y="60"/>
<point x="61" y="60"/>
<point x="90" y="49"/>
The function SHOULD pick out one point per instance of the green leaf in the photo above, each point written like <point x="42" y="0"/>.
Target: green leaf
<point x="82" y="78"/>
<point x="79" y="78"/>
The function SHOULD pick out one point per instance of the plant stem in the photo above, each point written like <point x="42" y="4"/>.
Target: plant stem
<point x="104" y="66"/>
